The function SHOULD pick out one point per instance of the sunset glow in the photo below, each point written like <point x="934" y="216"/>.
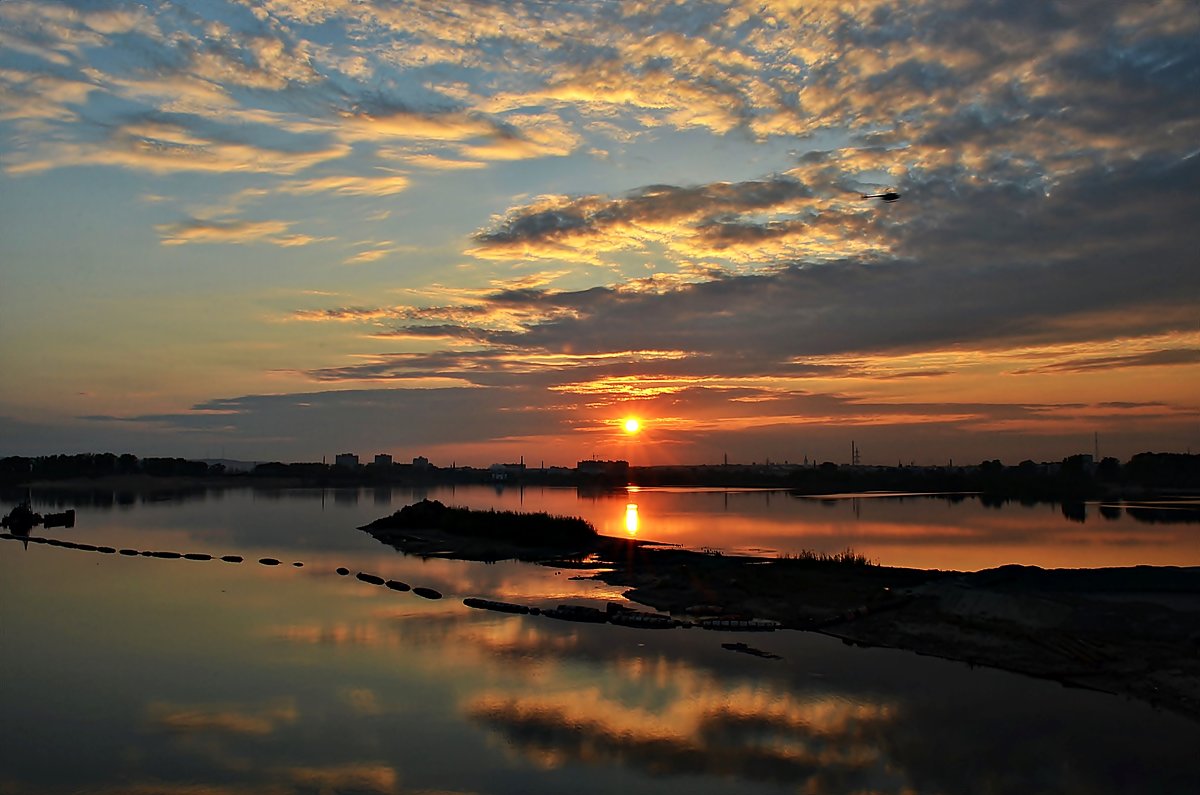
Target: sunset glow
<point x="631" y="426"/>
<point x="479" y="232"/>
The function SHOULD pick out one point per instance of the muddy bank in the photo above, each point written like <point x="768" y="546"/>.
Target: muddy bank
<point x="1129" y="631"/>
<point x="1133" y="632"/>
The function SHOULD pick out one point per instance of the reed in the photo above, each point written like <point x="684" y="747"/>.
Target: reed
<point x="847" y="557"/>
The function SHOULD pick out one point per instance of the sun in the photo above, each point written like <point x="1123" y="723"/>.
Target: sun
<point x="631" y="425"/>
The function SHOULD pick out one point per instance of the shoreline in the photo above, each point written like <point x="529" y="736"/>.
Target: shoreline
<point x="855" y="484"/>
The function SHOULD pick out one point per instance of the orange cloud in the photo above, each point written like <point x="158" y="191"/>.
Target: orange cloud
<point x="239" y="232"/>
<point x="170" y="148"/>
<point x="348" y="185"/>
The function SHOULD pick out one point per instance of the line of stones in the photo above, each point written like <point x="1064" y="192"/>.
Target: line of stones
<point x="371" y="579"/>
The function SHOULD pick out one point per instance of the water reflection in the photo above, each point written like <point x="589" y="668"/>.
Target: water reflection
<point x="222" y="719"/>
<point x="746" y="747"/>
<point x="631" y="518"/>
<point x="924" y="531"/>
<point x="202" y="677"/>
<point x="606" y="699"/>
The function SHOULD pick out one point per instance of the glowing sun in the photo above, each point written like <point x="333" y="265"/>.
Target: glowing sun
<point x="631" y="425"/>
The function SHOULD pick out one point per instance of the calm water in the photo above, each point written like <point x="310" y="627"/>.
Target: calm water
<point x="141" y="675"/>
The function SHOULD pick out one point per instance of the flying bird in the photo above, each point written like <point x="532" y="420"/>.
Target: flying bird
<point x="890" y="196"/>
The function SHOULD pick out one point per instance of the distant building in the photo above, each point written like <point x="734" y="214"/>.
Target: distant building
<point x="609" y="470"/>
<point x="420" y="462"/>
<point x="346" y="460"/>
<point x="383" y="460"/>
<point x="507" y="471"/>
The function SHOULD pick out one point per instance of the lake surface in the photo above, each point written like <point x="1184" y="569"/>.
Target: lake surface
<point x="132" y="674"/>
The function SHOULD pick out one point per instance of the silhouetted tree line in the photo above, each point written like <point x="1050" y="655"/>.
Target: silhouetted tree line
<point x="1074" y="477"/>
<point x="333" y="475"/>
<point x="19" y="469"/>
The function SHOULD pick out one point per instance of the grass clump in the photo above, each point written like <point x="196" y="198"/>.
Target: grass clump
<point x="847" y="557"/>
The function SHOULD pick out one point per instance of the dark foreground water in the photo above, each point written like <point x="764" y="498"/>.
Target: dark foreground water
<point x="133" y="674"/>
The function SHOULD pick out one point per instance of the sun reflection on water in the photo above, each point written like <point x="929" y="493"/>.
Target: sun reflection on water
<point x="631" y="518"/>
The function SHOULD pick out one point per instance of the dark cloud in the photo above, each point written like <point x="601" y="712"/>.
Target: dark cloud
<point x="406" y="366"/>
<point x="991" y="266"/>
<point x="435" y="332"/>
<point x="978" y="264"/>
<point x="516" y="366"/>
<point x="1170" y="357"/>
<point x="748" y="422"/>
<point x="720" y="233"/>
<point x="651" y="204"/>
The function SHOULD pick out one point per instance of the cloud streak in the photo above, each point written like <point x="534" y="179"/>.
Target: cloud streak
<point x="196" y="231"/>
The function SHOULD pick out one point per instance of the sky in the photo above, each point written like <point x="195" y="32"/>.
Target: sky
<point x="487" y="231"/>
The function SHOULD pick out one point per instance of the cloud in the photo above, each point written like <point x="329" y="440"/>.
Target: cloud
<point x="240" y="232"/>
<point x="370" y="255"/>
<point x="348" y="185"/>
<point x="31" y="99"/>
<point x="561" y="408"/>
<point x="1046" y="156"/>
<point x="574" y="228"/>
<point x="343" y="314"/>
<point x="386" y="124"/>
<point x="433" y="162"/>
<point x="985" y="272"/>
<point x="1172" y="357"/>
<point x="258" y="62"/>
<point x="473" y="137"/>
<point x="167" y="148"/>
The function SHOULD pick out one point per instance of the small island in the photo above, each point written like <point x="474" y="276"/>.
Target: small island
<point x="432" y="529"/>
